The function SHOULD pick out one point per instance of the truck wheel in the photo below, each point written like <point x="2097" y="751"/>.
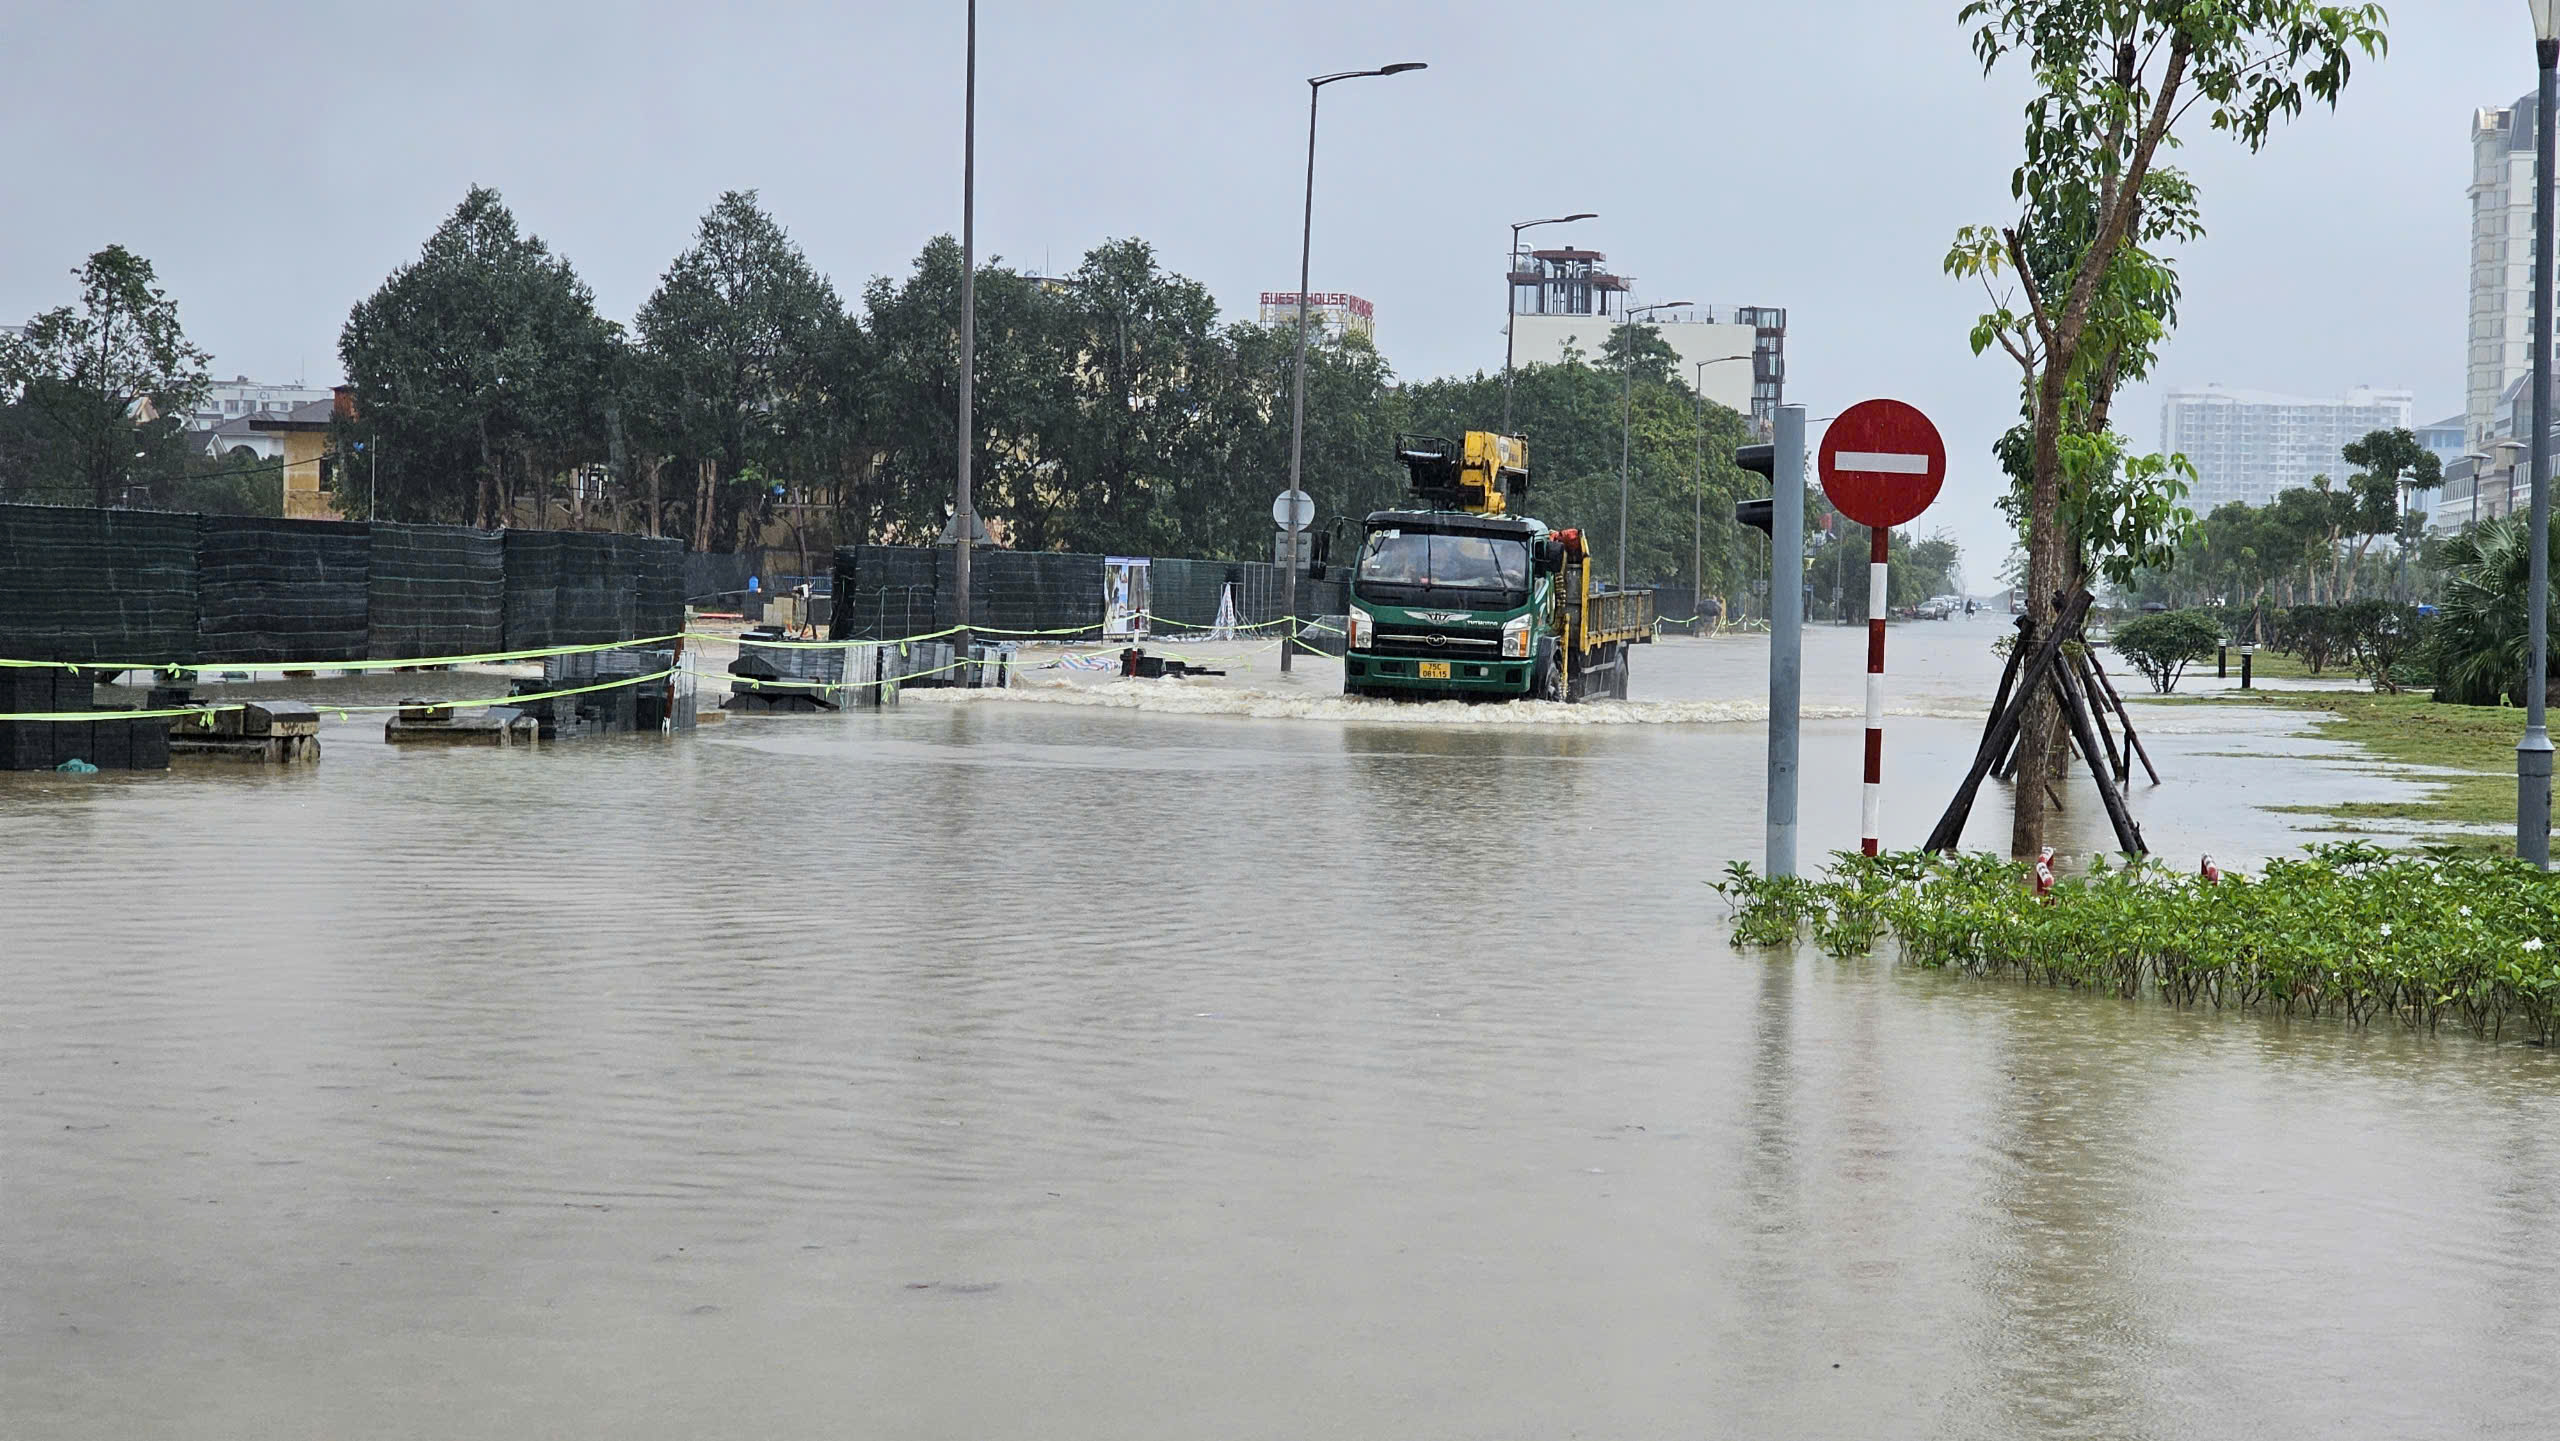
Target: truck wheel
<point x="1543" y="685"/>
<point x="1618" y="677"/>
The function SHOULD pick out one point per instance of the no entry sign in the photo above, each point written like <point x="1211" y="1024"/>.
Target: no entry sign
<point x="1882" y="463"/>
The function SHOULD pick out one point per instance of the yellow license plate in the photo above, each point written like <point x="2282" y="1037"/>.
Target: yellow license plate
<point x="1432" y="669"/>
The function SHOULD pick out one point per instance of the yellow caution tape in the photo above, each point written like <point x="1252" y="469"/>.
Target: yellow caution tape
<point x="484" y="658"/>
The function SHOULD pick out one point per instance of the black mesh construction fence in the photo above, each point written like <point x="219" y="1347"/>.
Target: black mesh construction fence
<point x="883" y="592"/>
<point x="97" y="585"/>
<point x="656" y="567"/>
<point x="886" y="591"/>
<point x="435" y="590"/>
<point x="579" y="588"/>
<point x="1188" y="591"/>
<point x="717" y="582"/>
<point x="1036" y="590"/>
<point x="281" y="591"/>
<point x="1677" y="605"/>
<point x="532" y="603"/>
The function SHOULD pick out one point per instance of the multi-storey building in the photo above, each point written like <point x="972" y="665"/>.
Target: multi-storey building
<point x="2247" y="445"/>
<point x="2501" y="322"/>
<point x="1566" y="302"/>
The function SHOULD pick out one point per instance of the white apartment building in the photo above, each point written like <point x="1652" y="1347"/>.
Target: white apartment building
<point x="1565" y="301"/>
<point x="2501" y="264"/>
<point x="241" y="398"/>
<point x="2247" y="445"/>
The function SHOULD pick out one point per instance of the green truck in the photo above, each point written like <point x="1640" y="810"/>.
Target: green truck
<point x="1455" y="597"/>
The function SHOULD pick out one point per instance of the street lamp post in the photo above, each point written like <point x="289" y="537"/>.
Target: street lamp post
<point x="2533" y="753"/>
<point x="963" y="525"/>
<point x="1698" y="488"/>
<point x="1508" y="305"/>
<point x="1627" y="417"/>
<point x="1298" y="400"/>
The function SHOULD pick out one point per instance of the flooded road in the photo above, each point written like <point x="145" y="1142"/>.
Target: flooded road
<point x="992" y="1068"/>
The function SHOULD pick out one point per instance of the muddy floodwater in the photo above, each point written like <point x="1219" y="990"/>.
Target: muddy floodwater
<point x="1243" y="1067"/>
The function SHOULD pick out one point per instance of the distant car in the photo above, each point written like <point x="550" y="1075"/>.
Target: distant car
<point x="2153" y="607"/>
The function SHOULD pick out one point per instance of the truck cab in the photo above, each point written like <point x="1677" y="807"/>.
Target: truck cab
<point x="1449" y="603"/>
<point x="1455" y="596"/>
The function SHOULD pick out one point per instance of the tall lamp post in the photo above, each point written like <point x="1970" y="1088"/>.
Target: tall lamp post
<point x="2533" y="753"/>
<point x="1509" y="302"/>
<point x="1298" y="400"/>
<point x="1627" y="418"/>
<point x="1698" y="490"/>
<point x="963" y="524"/>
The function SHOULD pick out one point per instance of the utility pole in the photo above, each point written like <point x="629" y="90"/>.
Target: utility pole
<point x="963" y="525"/>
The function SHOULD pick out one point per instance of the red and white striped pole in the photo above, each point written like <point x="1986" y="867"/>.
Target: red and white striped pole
<point x="1882" y="463"/>
<point x="1872" y="809"/>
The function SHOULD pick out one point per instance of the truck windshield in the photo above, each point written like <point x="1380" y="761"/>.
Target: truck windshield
<point x="1413" y="560"/>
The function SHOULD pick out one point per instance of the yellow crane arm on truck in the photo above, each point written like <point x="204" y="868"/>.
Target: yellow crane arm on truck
<point x="1480" y="475"/>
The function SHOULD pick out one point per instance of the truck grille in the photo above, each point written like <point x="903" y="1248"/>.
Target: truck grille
<point x="1435" y="644"/>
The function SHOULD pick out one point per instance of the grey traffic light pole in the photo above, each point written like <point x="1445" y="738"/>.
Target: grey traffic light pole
<point x="1786" y="633"/>
<point x="2533" y="753"/>
<point x="1509" y="300"/>
<point x="1298" y="399"/>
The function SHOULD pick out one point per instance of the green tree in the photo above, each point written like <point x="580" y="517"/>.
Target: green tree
<point x="102" y="388"/>
<point x="2388" y="464"/>
<point x="479" y="364"/>
<point x="2113" y="81"/>
<point x="731" y="352"/>
<point x="2163" y="645"/>
<point x="2481" y="643"/>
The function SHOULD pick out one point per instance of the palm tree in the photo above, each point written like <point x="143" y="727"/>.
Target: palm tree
<point x="2480" y="640"/>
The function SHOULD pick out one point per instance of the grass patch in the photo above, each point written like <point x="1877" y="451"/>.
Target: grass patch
<point x="2465" y="756"/>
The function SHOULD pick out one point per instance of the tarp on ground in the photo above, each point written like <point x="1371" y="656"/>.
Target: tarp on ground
<point x="280" y="591"/>
<point x="435" y="590"/>
<point x="97" y="585"/>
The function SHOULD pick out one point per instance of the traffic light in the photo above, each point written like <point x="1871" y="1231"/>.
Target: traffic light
<point x="1761" y="460"/>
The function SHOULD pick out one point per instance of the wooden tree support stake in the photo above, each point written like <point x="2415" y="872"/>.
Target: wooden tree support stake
<point x="2123" y="717"/>
<point x="2033" y="676"/>
<point x="2083" y="724"/>
<point x="2119" y="761"/>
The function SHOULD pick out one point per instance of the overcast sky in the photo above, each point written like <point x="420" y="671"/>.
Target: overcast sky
<point x="276" y="161"/>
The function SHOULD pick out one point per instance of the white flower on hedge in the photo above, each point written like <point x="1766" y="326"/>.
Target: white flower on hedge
<point x="2534" y="944"/>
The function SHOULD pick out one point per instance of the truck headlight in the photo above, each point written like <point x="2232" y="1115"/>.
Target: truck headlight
<point x="1515" y="638"/>
<point x="1360" y="631"/>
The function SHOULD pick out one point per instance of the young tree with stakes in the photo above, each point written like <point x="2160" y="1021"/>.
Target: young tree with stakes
<point x="2115" y="81"/>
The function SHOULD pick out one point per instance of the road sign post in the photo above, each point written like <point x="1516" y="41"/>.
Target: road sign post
<point x="1292" y="511"/>
<point x="1882" y="463"/>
